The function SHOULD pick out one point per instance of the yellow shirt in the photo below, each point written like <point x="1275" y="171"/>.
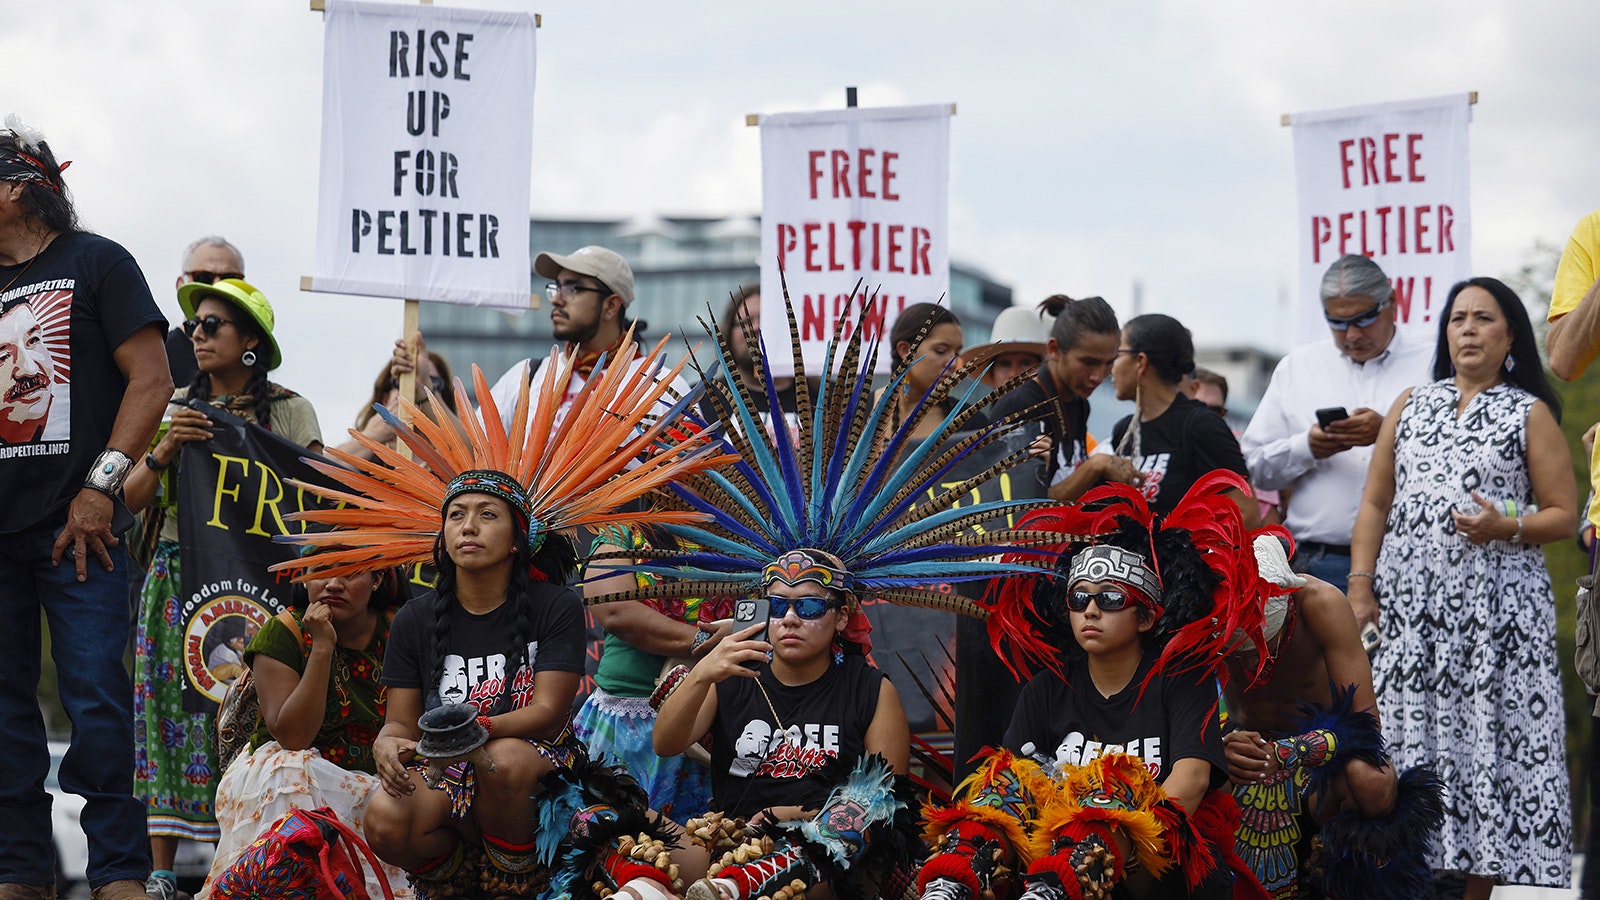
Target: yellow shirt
<point x="1579" y="265"/>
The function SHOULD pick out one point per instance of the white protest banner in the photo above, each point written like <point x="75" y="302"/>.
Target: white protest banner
<point x="427" y="142"/>
<point x="852" y="195"/>
<point x="1390" y="182"/>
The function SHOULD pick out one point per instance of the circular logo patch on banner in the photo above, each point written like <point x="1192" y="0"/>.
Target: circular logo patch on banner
<point x="214" y="641"/>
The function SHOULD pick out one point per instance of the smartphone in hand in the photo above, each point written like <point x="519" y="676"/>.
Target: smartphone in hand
<point x="1330" y="415"/>
<point x="748" y="611"/>
<point x="1371" y="638"/>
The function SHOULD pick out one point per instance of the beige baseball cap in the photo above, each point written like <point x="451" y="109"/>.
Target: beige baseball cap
<point x="596" y="262"/>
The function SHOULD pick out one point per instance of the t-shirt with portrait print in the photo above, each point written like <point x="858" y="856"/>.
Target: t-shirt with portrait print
<point x="755" y="764"/>
<point x="63" y="314"/>
<point x="1173" y="717"/>
<point x="478" y="649"/>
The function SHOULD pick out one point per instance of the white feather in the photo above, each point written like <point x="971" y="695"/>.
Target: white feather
<point x="28" y="137"/>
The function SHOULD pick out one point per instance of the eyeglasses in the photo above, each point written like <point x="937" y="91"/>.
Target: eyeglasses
<point x="572" y="289"/>
<point x="213" y="277"/>
<point x="1108" y="601"/>
<point x="809" y="608"/>
<point x="1359" y="320"/>
<point x="209" y="324"/>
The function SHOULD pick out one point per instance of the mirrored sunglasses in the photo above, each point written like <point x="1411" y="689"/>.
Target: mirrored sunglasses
<point x="805" y="607"/>
<point x="1360" y="320"/>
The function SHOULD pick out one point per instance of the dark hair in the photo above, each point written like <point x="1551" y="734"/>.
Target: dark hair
<point x="1165" y="342"/>
<point x="1528" y="373"/>
<point x="1187" y="583"/>
<point x="730" y="313"/>
<point x="382" y="384"/>
<point x="257" y="387"/>
<point x="390" y="591"/>
<point x="1215" y="379"/>
<point x="1076" y="318"/>
<point x="913" y="326"/>
<point x="51" y="208"/>
<point x="555" y="560"/>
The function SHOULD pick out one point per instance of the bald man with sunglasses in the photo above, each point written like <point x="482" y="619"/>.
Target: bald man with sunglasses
<point x="1298" y="440"/>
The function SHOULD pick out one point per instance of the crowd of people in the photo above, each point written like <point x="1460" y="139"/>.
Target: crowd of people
<point x="1313" y="659"/>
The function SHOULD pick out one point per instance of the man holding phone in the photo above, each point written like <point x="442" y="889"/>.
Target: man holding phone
<point x="1312" y="435"/>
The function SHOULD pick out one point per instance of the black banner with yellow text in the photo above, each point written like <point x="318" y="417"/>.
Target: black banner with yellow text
<point x="233" y="499"/>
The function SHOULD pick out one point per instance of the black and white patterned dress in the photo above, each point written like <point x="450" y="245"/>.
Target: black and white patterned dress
<point x="1468" y="677"/>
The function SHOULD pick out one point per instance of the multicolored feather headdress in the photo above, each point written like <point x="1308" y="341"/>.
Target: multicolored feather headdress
<point x="616" y="443"/>
<point x="1211" y="594"/>
<point x="851" y="482"/>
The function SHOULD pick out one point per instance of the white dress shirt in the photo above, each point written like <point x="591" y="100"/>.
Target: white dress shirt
<point x="1277" y="445"/>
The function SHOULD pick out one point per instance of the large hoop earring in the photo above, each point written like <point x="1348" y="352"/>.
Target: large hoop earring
<point x="249" y="358"/>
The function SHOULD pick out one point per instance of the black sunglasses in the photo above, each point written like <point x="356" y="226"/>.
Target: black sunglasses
<point x="213" y="277"/>
<point x="210" y="325"/>
<point x="804" y="607"/>
<point x="1359" y="320"/>
<point x="1108" y="601"/>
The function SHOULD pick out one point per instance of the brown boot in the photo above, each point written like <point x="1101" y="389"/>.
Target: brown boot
<point x="126" y="889"/>
<point x="13" y="891"/>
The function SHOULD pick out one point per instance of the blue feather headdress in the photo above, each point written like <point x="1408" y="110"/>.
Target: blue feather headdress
<point x="851" y="480"/>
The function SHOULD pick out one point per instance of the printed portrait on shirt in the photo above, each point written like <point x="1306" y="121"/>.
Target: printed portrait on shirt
<point x="35" y="368"/>
<point x="481" y="680"/>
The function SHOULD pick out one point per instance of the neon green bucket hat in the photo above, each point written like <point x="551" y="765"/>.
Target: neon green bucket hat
<point x="239" y="293"/>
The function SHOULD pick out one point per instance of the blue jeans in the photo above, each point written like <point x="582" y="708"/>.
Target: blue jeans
<point x="1334" y="568"/>
<point x="89" y="624"/>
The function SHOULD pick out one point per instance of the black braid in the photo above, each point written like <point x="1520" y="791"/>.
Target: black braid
<point x="259" y="388"/>
<point x="444" y="596"/>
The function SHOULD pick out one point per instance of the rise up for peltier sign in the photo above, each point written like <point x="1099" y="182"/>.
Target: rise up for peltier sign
<point x="427" y="145"/>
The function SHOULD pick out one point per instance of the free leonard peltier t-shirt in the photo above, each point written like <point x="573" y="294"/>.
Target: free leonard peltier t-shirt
<point x="756" y="765"/>
<point x="1071" y="722"/>
<point x="61" y="319"/>
<point x="479" y="650"/>
<point x="1178" y="448"/>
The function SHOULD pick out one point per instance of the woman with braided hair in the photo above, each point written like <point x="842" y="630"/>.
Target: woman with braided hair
<point x="230" y="324"/>
<point x="1112" y="780"/>
<point x="485" y="789"/>
<point x="500" y="632"/>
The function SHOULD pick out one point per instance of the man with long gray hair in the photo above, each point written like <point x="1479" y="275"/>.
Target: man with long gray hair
<point x="1313" y="432"/>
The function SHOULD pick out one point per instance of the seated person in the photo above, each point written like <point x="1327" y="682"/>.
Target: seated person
<point x="1112" y="777"/>
<point x="642" y="636"/>
<point x="793" y="715"/>
<point x="316" y="670"/>
<point x="1297" y="771"/>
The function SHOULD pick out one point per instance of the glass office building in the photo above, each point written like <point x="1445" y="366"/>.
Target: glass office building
<point x="680" y="265"/>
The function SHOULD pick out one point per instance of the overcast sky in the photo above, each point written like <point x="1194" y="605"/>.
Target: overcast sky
<point x="1095" y="144"/>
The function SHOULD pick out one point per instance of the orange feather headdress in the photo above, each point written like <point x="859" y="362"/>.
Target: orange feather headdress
<point x="610" y="448"/>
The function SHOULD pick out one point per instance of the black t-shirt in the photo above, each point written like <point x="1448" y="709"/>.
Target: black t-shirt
<point x="479" y="648"/>
<point x="1065" y="418"/>
<point x="63" y="316"/>
<point x="753" y="767"/>
<point x="1071" y="722"/>
<point x="1178" y="448"/>
<point x="713" y="410"/>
